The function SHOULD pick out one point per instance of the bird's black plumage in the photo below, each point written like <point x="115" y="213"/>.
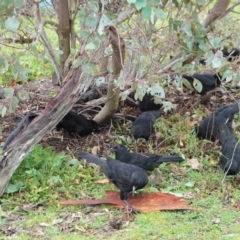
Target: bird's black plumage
<point x="23" y="123"/>
<point x="145" y="161"/>
<point x="208" y="129"/>
<point x="209" y="81"/>
<point x="231" y="55"/>
<point x="148" y="104"/>
<point x="126" y="177"/>
<point x="77" y="124"/>
<point x="230" y="158"/>
<point x="143" y="125"/>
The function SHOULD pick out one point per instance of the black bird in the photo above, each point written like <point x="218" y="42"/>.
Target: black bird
<point x="126" y="177"/>
<point x="208" y="129"/>
<point x="230" y="158"/>
<point x="146" y="161"/>
<point x="23" y="123"/>
<point x="232" y="55"/>
<point x="77" y="124"/>
<point x="143" y="125"/>
<point x="209" y="81"/>
<point x="148" y="104"/>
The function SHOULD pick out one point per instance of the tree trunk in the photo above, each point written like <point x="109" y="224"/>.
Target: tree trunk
<point x="64" y="30"/>
<point x="218" y="10"/>
<point x="56" y="109"/>
<point x="118" y="55"/>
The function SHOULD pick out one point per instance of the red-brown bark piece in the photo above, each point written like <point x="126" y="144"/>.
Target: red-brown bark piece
<point x="144" y="202"/>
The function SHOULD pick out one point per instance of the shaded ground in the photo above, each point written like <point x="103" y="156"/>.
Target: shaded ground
<point x="40" y="93"/>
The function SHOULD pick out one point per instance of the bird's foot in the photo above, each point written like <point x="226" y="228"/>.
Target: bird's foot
<point x="130" y="208"/>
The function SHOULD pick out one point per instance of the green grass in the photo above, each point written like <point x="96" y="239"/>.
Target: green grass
<point x="50" y="177"/>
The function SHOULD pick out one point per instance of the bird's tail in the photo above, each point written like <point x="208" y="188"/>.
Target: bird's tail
<point x="92" y="158"/>
<point x="171" y="158"/>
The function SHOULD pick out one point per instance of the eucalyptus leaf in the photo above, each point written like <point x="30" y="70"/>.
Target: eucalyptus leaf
<point x="23" y="95"/>
<point x="146" y="12"/>
<point x="167" y="106"/>
<point x="8" y="92"/>
<point x="100" y="80"/>
<point x="12" y="24"/>
<point x="92" y="20"/>
<point x="197" y="85"/>
<point x="89" y="68"/>
<point x="160" y="13"/>
<point x="139" y="4"/>
<point x="90" y="46"/>
<point x="158" y="91"/>
<point x="13" y="104"/>
<point x="105" y="21"/>
<point x="3" y="110"/>
<point x="187" y="84"/>
<point x="189" y="184"/>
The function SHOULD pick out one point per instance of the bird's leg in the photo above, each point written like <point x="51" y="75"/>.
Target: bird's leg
<point x="123" y="197"/>
<point x="133" y="210"/>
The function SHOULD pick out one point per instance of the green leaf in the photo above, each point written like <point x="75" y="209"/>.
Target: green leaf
<point x="77" y="62"/>
<point x="92" y="20"/>
<point x="59" y="52"/>
<point x="134" y="86"/>
<point x="13" y="104"/>
<point x="89" y="68"/>
<point x="23" y="95"/>
<point x="187" y="29"/>
<point x="100" y="80"/>
<point x="11" y="188"/>
<point x="3" y="110"/>
<point x="90" y="46"/>
<point x="160" y="14"/>
<point x="8" y="92"/>
<point x="73" y="162"/>
<point x="216" y="62"/>
<point x="146" y="12"/>
<point x="197" y="85"/>
<point x="125" y="94"/>
<point x="141" y="91"/>
<point x="187" y="84"/>
<point x="12" y="24"/>
<point x="216" y="42"/>
<point x="139" y="4"/>
<point x="158" y="91"/>
<point x="178" y="81"/>
<point x="189" y="184"/>
<point x="228" y="74"/>
<point x="105" y="21"/>
<point x="84" y="34"/>
<point x="154" y="2"/>
<point x="131" y="1"/>
<point x="167" y="106"/>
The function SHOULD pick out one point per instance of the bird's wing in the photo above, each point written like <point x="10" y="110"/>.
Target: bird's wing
<point x="206" y="79"/>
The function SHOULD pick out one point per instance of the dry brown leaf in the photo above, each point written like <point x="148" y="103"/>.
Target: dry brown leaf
<point x="95" y="150"/>
<point x="194" y="163"/>
<point x="102" y="181"/>
<point x="144" y="202"/>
